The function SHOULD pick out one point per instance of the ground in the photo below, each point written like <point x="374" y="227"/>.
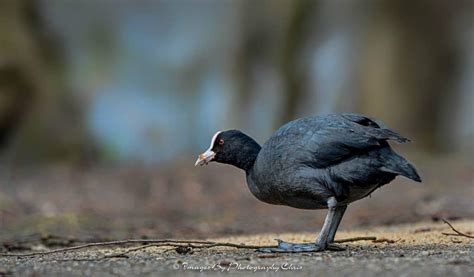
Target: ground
<point x="402" y="250"/>
<point x="101" y="203"/>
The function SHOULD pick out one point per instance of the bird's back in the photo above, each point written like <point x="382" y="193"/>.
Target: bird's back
<point x="310" y="159"/>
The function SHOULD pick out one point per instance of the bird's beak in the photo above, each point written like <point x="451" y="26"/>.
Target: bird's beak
<point x="205" y="158"/>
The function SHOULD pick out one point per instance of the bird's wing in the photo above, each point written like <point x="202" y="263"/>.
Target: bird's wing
<point x="346" y="135"/>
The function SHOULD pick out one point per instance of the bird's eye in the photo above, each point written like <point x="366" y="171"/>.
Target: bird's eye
<point x="221" y="142"/>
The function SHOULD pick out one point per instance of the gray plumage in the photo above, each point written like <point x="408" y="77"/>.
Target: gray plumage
<point x="308" y="160"/>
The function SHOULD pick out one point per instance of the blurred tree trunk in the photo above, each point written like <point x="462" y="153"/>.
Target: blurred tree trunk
<point x="247" y="55"/>
<point x="37" y="115"/>
<point x="273" y="34"/>
<point x="290" y="62"/>
<point x="262" y="33"/>
<point x="15" y="99"/>
<point x="409" y="64"/>
<point x="17" y="89"/>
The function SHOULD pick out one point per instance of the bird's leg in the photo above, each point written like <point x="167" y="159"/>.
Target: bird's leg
<point x="337" y="220"/>
<point x="322" y="242"/>
<point x="330" y="225"/>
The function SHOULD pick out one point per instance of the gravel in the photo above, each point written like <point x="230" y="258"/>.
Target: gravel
<point x="417" y="250"/>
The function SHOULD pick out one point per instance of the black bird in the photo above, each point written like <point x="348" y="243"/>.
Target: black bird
<point x="318" y="162"/>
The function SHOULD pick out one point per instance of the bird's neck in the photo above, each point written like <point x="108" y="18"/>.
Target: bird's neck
<point x="247" y="155"/>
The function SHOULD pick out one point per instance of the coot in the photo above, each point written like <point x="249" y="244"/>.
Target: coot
<point x="318" y="162"/>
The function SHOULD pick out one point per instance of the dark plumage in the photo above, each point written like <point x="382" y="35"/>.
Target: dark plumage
<point x="316" y="162"/>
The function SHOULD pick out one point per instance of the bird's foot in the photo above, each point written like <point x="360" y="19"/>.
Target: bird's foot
<point x="288" y="247"/>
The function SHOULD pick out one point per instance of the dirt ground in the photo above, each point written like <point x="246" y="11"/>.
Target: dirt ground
<point x="403" y="250"/>
<point x="213" y="203"/>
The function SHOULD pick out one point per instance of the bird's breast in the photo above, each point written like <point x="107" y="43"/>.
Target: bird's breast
<point x="262" y="192"/>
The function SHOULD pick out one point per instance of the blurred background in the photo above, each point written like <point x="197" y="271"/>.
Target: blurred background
<point x="104" y="106"/>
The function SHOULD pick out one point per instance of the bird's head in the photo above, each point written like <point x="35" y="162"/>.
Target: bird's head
<point x="230" y="147"/>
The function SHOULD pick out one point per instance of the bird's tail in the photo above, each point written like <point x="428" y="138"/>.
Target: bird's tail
<point x="396" y="164"/>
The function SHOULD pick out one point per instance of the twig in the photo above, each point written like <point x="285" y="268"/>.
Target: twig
<point x="115" y="255"/>
<point x="157" y="243"/>
<point x="123" y="254"/>
<point x="106" y="243"/>
<point x="354" y="239"/>
<point x="458" y="233"/>
<point x="385" y="240"/>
